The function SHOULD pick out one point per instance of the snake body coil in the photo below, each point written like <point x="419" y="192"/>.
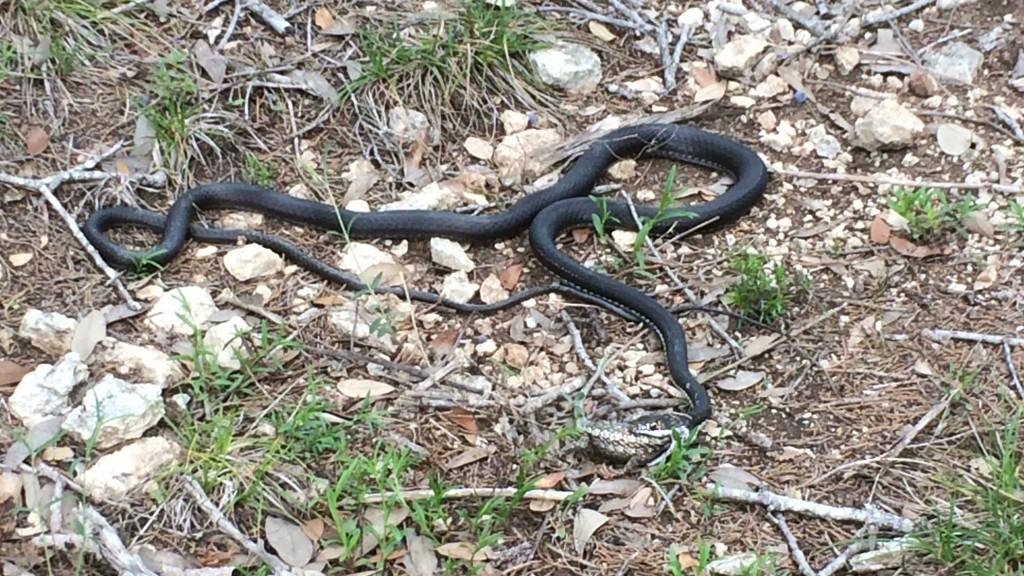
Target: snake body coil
<point x="547" y="213"/>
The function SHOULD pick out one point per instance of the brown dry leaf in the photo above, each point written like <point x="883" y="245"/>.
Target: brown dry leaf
<point x="908" y="248"/>
<point x="587" y="522"/>
<point x="11" y="372"/>
<point x="323" y="18"/>
<point x="580" y="235"/>
<point x="621" y="486"/>
<point x="734" y="477"/>
<point x="979" y="223"/>
<point x="541" y="506"/>
<point x="314" y="528"/>
<point x="421" y="560"/>
<point x="89" y="332"/>
<point x="58" y="454"/>
<point x="550" y="480"/>
<point x="464" y="551"/>
<point x="379" y="520"/>
<point x="468" y="456"/>
<point x="711" y="92"/>
<point x="20" y="259"/>
<point x="361" y="388"/>
<point x="880" y="230"/>
<point x="444" y="342"/>
<point x="510" y="276"/>
<point x="601" y="31"/>
<point x="463" y="419"/>
<point x="328" y="301"/>
<point x="36" y="141"/>
<point x="686" y="561"/>
<point x="10" y="487"/>
<point x="289" y="541"/>
<point x="741" y="381"/>
<point x="988" y="277"/>
<point x="704" y="76"/>
<point x="759" y="344"/>
<point x="214" y="64"/>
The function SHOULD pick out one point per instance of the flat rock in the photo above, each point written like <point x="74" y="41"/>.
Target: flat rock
<point x="43" y="393"/>
<point x="226" y="341"/>
<point x="738" y="56"/>
<point x="51" y="332"/>
<point x="571" y="67"/>
<point x="450" y="254"/>
<point x="181" y="311"/>
<point x="252" y="261"/>
<point x="114" y="410"/>
<point x="142" y="363"/>
<point x="887" y="126"/>
<point x="114" y="476"/>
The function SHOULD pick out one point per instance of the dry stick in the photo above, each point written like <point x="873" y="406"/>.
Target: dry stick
<point x="577" y="342"/>
<point x="898" y="13"/>
<point x="943" y="336"/>
<point x="85" y="172"/>
<point x="814" y="26"/>
<point x="591" y="16"/>
<point x="1013" y="370"/>
<point x="794" y="546"/>
<point x="858" y="545"/>
<point x="232" y="24"/>
<point x="779" y="503"/>
<point x="270" y="16"/>
<point x="550" y="495"/>
<point x="225" y="526"/>
<point x="836" y="177"/>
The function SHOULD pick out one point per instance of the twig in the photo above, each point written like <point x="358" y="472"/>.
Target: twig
<point x="598" y="17"/>
<point x="1018" y="132"/>
<point x="859" y="544"/>
<point x="225" y="526"/>
<point x="232" y="24"/>
<point x="898" y="13"/>
<point x="814" y="26"/>
<point x="1014" y="379"/>
<point x="577" y="342"/>
<point x="794" y="546"/>
<point x="836" y="177"/>
<point x="85" y="172"/>
<point x="779" y="503"/>
<point x="943" y="336"/>
<point x="269" y="16"/>
<point x="551" y="495"/>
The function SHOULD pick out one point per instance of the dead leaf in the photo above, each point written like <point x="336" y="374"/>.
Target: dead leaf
<point x="214" y="64"/>
<point x="922" y="367"/>
<point x="880" y="230"/>
<point x="580" y="235"/>
<point x="36" y="141"/>
<point x="89" y="332"/>
<point x="444" y="342"/>
<point x="20" y="259"/>
<point x="979" y="223"/>
<point x="988" y="277"/>
<point x="601" y="31"/>
<point x="384" y="274"/>
<point x="463" y="419"/>
<point x="587" y="522"/>
<point x="908" y="248"/>
<point x="621" y="487"/>
<point x="361" y="388"/>
<point x="509" y="277"/>
<point x="379" y="520"/>
<point x="478" y="148"/>
<point x="421" y="560"/>
<point x="314" y="528"/>
<point x="550" y="480"/>
<point x="759" y="344"/>
<point x="315" y="83"/>
<point x="741" y="381"/>
<point x="710" y="93"/>
<point x="323" y="18"/>
<point x="468" y="456"/>
<point x="328" y="301"/>
<point x="734" y="477"/>
<point x="11" y="372"/>
<point x="289" y="541"/>
<point x="10" y="487"/>
<point x="704" y="76"/>
<point x="464" y="551"/>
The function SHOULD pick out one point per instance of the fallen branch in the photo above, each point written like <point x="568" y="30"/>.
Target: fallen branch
<point x="776" y="502"/>
<point x="85" y="172"/>
<point x="836" y="177"/>
<point x="944" y="336"/>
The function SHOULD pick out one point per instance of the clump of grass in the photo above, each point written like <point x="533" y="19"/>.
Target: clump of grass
<point x="175" y="100"/>
<point x="259" y="172"/>
<point x="453" y="64"/>
<point x="764" y="292"/>
<point x="929" y="212"/>
<point x="981" y="533"/>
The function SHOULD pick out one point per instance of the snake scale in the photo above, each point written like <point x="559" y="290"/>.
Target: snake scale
<point x="547" y="214"/>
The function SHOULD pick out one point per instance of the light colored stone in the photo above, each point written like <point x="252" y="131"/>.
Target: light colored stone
<point x="889" y="126"/>
<point x="144" y="363"/>
<point x="847" y="58"/>
<point x="252" y="261"/>
<point x="43" y="393"/>
<point x="114" y="476"/>
<point x="113" y="411"/>
<point x="433" y="196"/>
<point x="358" y="257"/>
<point x="408" y="126"/>
<point x="623" y="170"/>
<point x="956" y="60"/>
<point x="226" y="341"/>
<point x="352" y="321"/>
<point x="51" y="332"/>
<point x="182" y="311"/>
<point x="517" y="154"/>
<point x="450" y="254"/>
<point x="738" y="56"/>
<point x="571" y="67"/>
<point x="825" y="144"/>
<point x="458" y="288"/>
<point x="514" y="121"/>
<point x="492" y="291"/>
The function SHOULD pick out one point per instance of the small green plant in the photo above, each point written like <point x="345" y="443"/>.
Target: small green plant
<point x="685" y="463"/>
<point x="763" y="294"/>
<point x="981" y="532"/>
<point x="602" y="219"/>
<point x="929" y="212"/>
<point x="174" y="102"/>
<point x="259" y="172"/>
<point x="697" y="560"/>
<point x="1017" y="212"/>
<point x="665" y="212"/>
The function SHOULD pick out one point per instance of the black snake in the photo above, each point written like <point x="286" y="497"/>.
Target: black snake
<point x="547" y="213"/>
